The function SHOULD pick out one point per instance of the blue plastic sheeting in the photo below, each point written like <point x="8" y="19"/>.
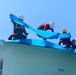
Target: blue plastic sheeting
<point x="39" y="43"/>
<point x="50" y="35"/>
<point x="65" y="35"/>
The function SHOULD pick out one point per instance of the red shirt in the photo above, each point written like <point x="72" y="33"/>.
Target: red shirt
<point x="45" y="26"/>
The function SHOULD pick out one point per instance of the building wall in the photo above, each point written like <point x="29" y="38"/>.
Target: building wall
<point x="21" y="59"/>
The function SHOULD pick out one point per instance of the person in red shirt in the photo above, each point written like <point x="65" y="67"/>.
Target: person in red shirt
<point x="46" y="26"/>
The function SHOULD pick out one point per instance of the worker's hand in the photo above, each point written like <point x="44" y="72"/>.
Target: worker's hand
<point x="13" y="34"/>
<point x="26" y="33"/>
<point x="71" y="46"/>
<point x="44" y="28"/>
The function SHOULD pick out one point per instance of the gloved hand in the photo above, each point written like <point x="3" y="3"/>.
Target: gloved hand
<point x="27" y="33"/>
<point x="13" y="34"/>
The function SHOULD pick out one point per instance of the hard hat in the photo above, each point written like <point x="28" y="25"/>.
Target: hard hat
<point x="64" y="30"/>
<point x="21" y="17"/>
<point x="52" y="24"/>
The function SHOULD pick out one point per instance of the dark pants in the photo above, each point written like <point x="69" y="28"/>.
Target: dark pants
<point x="14" y="37"/>
<point x="67" y="45"/>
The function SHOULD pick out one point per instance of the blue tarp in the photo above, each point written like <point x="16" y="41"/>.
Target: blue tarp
<point x="50" y="35"/>
<point x="41" y="43"/>
<point x="38" y="43"/>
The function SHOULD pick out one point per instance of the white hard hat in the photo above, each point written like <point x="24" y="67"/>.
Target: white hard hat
<point x="52" y="24"/>
<point x="21" y="17"/>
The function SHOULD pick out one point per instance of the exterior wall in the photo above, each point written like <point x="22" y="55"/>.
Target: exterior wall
<point x="21" y="59"/>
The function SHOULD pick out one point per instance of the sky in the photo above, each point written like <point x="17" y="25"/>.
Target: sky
<point x="36" y="12"/>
